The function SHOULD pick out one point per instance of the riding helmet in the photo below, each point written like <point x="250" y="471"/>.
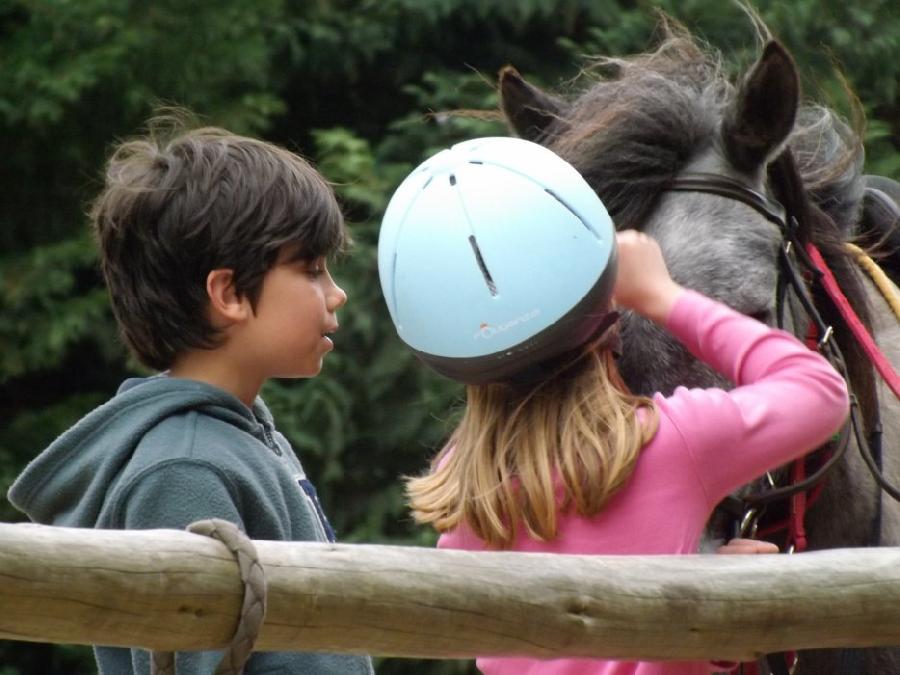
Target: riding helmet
<point x="495" y="256"/>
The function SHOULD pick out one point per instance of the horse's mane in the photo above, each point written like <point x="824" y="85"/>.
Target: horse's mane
<point x="829" y="157"/>
<point x="642" y="118"/>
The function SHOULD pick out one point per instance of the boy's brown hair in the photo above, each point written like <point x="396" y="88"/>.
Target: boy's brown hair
<point x="181" y="202"/>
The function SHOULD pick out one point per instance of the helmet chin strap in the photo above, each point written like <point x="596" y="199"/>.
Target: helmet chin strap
<point x="605" y="336"/>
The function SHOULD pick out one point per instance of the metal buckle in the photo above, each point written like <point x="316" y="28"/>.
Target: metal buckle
<point x="749" y="523"/>
<point x="829" y="332"/>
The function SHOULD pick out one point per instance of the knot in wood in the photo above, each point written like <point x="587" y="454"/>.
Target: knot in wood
<point x="579" y="605"/>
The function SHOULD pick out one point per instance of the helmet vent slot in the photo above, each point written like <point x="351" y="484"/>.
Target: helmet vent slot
<point x="394" y="278"/>
<point x="452" y="179"/>
<point x="572" y="211"/>
<point x="485" y="272"/>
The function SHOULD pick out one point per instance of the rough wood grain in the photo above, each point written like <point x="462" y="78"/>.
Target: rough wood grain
<point x="165" y="589"/>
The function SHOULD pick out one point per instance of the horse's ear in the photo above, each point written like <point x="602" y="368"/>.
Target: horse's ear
<point x="528" y="109"/>
<point x="762" y="115"/>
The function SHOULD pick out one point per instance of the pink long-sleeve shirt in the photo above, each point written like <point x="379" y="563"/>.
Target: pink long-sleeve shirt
<point x="788" y="400"/>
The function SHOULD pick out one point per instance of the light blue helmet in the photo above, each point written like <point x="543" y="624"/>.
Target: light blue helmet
<point x="495" y="256"/>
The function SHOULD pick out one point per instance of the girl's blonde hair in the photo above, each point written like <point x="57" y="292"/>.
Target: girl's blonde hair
<point x="499" y="469"/>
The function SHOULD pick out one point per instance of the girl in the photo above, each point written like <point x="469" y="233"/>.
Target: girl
<point x="567" y="460"/>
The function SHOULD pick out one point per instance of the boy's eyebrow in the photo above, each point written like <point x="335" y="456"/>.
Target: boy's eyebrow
<point x="292" y="253"/>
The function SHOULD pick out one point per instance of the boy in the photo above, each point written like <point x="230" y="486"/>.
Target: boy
<point x="213" y="247"/>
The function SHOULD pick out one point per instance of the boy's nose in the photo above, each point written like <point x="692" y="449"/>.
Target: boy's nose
<point x="337" y="297"/>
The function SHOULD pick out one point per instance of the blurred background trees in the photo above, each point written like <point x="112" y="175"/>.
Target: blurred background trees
<point x="361" y="87"/>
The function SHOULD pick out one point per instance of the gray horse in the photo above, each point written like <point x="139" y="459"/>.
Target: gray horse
<point x="655" y="117"/>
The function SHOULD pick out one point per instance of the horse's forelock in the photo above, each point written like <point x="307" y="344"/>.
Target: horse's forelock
<point x="645" y="116"/>
<point x="631" y="133"/>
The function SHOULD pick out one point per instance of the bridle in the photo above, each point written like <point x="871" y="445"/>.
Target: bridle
<point x="797" y="272"/>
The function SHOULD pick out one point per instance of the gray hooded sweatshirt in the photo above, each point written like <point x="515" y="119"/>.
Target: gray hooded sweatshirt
<point x="163" y="453"/>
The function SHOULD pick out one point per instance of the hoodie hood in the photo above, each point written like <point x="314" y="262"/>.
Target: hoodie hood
<point x="67" y="483"/>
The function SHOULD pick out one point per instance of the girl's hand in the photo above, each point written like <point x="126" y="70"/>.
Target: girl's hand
<point x="746" y="547"/>
<point x="643" y="283"/>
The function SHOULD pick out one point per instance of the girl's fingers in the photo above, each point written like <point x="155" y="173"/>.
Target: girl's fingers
<point x="747" y="547"/>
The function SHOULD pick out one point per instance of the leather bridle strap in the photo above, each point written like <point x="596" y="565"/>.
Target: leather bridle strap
<point x="775" y="213"/>
<point x="730" y="188"/>
<point x="815" y="268"/>
<point x="790" y="276"/>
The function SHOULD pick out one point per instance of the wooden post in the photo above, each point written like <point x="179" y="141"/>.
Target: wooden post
<point x="164" y="589"/>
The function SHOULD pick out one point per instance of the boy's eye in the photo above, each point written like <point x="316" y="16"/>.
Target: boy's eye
<point x="315" y="268"/>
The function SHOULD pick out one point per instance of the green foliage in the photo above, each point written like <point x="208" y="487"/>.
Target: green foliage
<point x="365" y="88"/>
<point x="51" y="301"/>
<point x="831" y="40"/>
<point x="60" y="54"/>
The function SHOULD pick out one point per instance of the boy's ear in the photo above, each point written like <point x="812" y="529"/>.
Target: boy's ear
<point x="225" y="305"/>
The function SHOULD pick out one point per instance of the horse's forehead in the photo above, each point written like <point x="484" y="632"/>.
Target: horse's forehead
<point x="716" y="226"/>
<point x="719" y="247"/>
<point x="714" y="245"/>
<point x="712" y="224"/>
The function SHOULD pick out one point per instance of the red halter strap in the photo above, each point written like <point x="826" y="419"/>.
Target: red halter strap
<point x="882" y="365"/>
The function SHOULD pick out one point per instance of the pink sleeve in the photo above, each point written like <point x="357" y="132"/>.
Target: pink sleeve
<point x="788" y="399"/>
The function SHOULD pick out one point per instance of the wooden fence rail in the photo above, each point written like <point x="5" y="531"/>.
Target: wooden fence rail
<point x="164" y="589"/>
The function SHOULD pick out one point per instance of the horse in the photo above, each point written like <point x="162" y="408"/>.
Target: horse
<point x="677" y="149"/>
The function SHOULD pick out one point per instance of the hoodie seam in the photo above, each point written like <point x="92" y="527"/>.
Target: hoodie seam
<point x="73" y="450"/>
<point x="127" y="489"/>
